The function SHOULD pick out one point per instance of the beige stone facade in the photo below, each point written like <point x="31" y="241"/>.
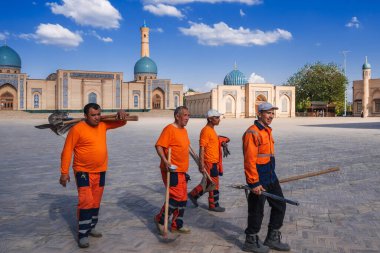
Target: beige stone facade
<point x="70" y="90"/>
<point x="366" y="94"/>
<point x="242" y="100"/>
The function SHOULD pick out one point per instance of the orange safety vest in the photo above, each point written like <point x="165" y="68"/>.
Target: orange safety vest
<point x="258" y="150"/>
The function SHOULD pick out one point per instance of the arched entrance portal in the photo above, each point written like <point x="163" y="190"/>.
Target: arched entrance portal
<point x="158" y="99"/>
<point x="259" y="100"/>
<point x="6" y="101"/>
<point x="8" y="97"/>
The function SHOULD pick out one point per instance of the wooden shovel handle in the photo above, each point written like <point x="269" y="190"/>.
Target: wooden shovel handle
<point x="197" y="161"/>
<point x="166" y="217"/>
<point x="310" y="174"/>
<point x="104" y="118"/>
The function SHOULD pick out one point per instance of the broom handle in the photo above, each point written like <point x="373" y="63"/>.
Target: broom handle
<point x="310" y="174"/>
<point x="166" y="217"/>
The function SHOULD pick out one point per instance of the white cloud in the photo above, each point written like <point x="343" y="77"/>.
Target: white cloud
<point x="96" y="13"/>
<point x="207" y="87"/>
<point x="4" y="35"/>
<point x="159" y="30"/>
<point x="242" y="13"/>
<point x="175" y="2"/>
<point x="354" y="23"/>
<point x="164" y="10"/>
<point x="57" y="35"/>
<point x="255" y="78"/>
<point x="105" y="39"/>
<point x="221" y="34"/>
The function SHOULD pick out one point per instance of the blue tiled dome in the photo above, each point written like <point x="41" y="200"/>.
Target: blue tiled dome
<point x="9" y="58"/>
<point x="366" y="65"/>
<point x="235" y="77"/>
<point x="145" y="65"/>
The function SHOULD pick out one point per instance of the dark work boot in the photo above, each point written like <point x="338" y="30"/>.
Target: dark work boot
<point x="254" y="244"/>
<point x="273" y="241"/>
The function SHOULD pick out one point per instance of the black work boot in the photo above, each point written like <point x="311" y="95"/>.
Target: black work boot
<point x="254" y="244"/>
<point x="273" y="241"/>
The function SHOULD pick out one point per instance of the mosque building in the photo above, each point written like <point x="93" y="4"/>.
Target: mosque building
<point x="70" y="90"/>
<point x="366" y="94"/>
<point x="237" y="98"/>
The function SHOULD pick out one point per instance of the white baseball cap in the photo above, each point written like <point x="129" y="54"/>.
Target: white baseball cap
<point x="213" y="113"/>
<point x="266" y="107"/>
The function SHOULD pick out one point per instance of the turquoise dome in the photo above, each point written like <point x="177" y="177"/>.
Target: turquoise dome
<point x="366" y="65"/>
<point x="9" y="58"/>
<point x="235" y="77"/>
<point x="145" y="66"/>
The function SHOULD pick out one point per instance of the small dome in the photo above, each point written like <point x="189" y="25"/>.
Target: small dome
<point x="52" y="77"/>
<point x="366" y="65"/>
<point x="145" y="66"/>
<point x="9" y="58"/>
<point x="235" y="77"/>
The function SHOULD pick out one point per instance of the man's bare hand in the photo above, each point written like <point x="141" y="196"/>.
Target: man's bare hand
<point x="202" y="169"/>
<point x="258" y="189"/>
<point x="168" y="165"/>
<point x="122" y="115"/>
<point x="64" y="179"/>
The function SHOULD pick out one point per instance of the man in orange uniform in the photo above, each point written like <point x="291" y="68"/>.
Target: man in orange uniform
<point x="87" y="140"/>
<point x="259" y="167"/>
<point x="175" y="136"/>
<point x="210" y="161"/>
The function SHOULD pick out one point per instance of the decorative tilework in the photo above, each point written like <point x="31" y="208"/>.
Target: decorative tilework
<point x="91" y="75"/>
<point x="21" y="92"/>
<point x="9" y="78"/>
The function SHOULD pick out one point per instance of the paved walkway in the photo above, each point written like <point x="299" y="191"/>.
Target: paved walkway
<point x="339" y="212"/>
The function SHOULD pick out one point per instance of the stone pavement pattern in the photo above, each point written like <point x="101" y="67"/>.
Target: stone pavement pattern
<point x="339" y="212"/>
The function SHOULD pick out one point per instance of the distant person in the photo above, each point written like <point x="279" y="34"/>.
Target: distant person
<point x="174" y="136"/>
<point x="259" y="167"/>
<point x="210" y="160"/>
<point x="87" y="140"/>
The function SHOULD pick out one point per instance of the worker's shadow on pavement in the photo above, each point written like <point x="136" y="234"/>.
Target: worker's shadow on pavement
<point x="62" y="206"/>
<point x="143" y="209"/>
<point x="194" y="217"/>
<point x="203" y="219"/>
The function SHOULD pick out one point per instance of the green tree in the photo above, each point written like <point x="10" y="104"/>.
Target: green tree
<point x="319" y="82"/>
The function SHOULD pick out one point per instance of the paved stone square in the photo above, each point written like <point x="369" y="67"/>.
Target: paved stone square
<point x="338" y="212"/>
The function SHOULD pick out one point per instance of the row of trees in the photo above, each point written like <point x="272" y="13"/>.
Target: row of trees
<point x="319" y="82"/>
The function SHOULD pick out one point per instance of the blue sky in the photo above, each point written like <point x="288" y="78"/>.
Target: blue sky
<point x="194" y="42"/>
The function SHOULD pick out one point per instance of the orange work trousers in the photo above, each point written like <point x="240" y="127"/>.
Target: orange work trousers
<point x="90" y="191"/>
<point x="213" y="196"/>
<point x="177" y="199"/>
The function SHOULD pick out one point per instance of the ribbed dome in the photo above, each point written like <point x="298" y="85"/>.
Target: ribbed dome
<point x="235" y="77"/>
<point x="9" y="58"/>
<point x="145" y="65"/>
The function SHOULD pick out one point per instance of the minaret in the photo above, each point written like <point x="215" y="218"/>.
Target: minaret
<point x="366" y="77"/>
<point x="144" y="40"/>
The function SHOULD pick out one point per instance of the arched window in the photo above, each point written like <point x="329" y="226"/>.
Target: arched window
<point x="92" y="97"/>
<point x="284" y="104"/>
<point x="176" y="99"/>
<point x="136" y="101"/>
<point x="228" y="105"/>
<point x="36" y="101"/>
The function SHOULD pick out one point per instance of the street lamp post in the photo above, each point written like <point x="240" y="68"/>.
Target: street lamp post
<point x="345" y="85"/>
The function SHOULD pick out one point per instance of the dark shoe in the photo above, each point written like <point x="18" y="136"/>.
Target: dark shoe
<point x="95" y="233"/>
<point x="83" y="242"/>
<point x="217" y="209"/>
<point x="254" y="244"/>
<point x="193" y="200"/>
<point x="159" y="226"/>
<point x="273" y="241"/>
<point x="182" y="230"/>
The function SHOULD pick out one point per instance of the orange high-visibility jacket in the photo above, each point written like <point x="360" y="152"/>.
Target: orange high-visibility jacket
<point x="258" y="150"/>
